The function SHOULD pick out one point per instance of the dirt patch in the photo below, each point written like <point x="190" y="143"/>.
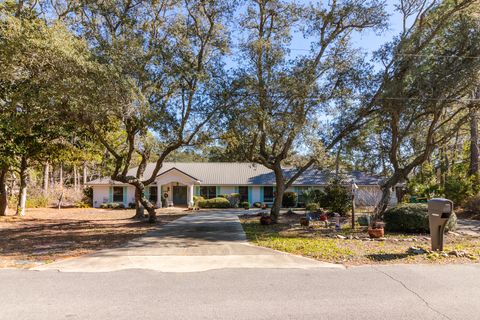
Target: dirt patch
<point x="46" y="235"/>
<point x="354" y="247"/>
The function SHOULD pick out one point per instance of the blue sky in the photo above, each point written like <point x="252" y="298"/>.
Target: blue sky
<point x="369" y="41"/>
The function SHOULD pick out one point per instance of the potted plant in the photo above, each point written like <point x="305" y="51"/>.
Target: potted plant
<point x="376" y="230"/>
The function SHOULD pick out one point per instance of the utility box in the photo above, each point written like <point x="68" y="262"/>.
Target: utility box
<point x="439" y="211"/>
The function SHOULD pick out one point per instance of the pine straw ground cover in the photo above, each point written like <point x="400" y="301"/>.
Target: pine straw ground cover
<point x="45" y="235"/>
<point x="353" y="248"/>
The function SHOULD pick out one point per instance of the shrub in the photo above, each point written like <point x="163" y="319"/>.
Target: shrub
<point x="196" y="200"/>
<point x="104" y="206"/>
<point x="312" y="207"/>
<point x="214" y="203"/>
<point x="472" y="205"/>
<point x="88" y="195"/>
<point x="257" y="204"/>
<point x="458" y="190"/>
<point x="289" y="199"/>
<point x="115" y="205"/>
<point x="336" y="198"/>
<point x="412" y="217"/>
<point x="132" y="205"/>
<point x="82" y="205"/>
<point x="37" y="202"/>
<point x="312" y="196"/>
<point x="234" y="199"/>
<point x="245" y="205"/>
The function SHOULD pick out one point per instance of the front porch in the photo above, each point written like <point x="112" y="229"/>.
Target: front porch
<point x="176" y="187"/>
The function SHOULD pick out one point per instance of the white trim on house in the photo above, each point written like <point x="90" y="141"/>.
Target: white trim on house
<point x="227" y="178"/>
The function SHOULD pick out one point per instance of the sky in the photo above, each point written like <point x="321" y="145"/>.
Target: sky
<point x="368" y="40"/>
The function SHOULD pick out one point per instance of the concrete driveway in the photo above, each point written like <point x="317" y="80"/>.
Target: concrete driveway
<point x="198" y="242"/>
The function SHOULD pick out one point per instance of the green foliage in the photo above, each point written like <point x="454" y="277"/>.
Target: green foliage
<point x="37" y="202"/>
<point x="214" y="203"/>
<point x="472" y="205"/>
<point x="196" y="200"/>
<point x="82" y="205"/>
<point x="245" y="205"/>
<point x="257" y="204"/>
<point x="312" y="207"/>
<point x="88" y="196"/>
<point x="234" y="199"/>
<point x="312" y="196"/>
<point x="412" y="217"/>
<point x="289" y="199"/>
<point x="458" y="189"/>
<point x="336" y="198"/>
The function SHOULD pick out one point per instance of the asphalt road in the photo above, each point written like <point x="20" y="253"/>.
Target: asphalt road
<point x="389" y="292"/>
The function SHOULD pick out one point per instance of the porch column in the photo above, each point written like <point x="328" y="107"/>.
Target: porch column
<point x="159" y="195"/>
<point x="190" y="195"/>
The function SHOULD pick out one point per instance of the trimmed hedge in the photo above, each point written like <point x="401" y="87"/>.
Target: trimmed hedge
<point x="257" y="204"/>
<point x="214" y="203"/>
<point x="245" y="205"/>
<point x="312" y="207"/>
<point x="289" y="199"/>
<point x="412" y="217"/>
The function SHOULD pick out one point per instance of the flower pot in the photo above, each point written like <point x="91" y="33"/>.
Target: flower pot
<point x="266" y="220"/>
<point x="375" y="233"/>
<point x="304" y="222"/>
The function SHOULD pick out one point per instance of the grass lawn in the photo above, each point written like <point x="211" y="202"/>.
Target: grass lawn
<point x="45" y="235"/>
<point x="321" y="243"/>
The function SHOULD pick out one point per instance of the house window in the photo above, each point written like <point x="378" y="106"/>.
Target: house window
<point x="300" y="198"/>
<point x="153" y="195"/>
<point x="300" y="191"/>
<point x="208" y="192"/>
<point x="243" y="191"/>
<point x="268" y="194"/>
<point x="117" y="194"/>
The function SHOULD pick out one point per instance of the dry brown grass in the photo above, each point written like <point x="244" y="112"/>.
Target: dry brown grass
<point x="46" y="234"/>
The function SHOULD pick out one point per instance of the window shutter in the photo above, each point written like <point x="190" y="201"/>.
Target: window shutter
<point x="217" y="193"/>
<point x="110" y="194"/>
<point x="125" y="196"/>
<point x="250" y="195"/>
<point x="262" y="194"/>
<point x="197" y="190"/>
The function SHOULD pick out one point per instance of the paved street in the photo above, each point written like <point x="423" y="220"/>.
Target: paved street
<point x="393" y="292"/>
<point x="200" y="267"/>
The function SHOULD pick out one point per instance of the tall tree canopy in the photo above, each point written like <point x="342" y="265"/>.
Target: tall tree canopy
<point x="283" y="98"/>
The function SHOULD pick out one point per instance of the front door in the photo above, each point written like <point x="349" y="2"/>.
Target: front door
<point x="179" y="195"/>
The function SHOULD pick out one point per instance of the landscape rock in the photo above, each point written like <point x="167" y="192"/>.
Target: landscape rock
<point x="458" y="253"/>
<point x="416" y="250"/>
<point x="339" y="236"/>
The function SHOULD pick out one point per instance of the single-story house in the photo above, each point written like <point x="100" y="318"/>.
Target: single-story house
<point x="178" y="182"/>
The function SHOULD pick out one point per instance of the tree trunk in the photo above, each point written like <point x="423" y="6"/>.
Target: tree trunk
<point x="474" y="149"/>
<point x="279" y="191"/>
<point x="84" y="176"/>
<point x="22" y="195"/>
<point x="139" y="209"/>
<point x="75" y="177"/>
<point x="61" y="176"/>
<point x="3" y="191"/>
<point x="46" y="174"/>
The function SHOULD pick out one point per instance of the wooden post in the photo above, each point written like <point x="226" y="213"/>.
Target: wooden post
<point x="353" y="209"/>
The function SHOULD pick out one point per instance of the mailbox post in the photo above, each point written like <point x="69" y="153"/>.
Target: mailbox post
<point x="439" y="211"/>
